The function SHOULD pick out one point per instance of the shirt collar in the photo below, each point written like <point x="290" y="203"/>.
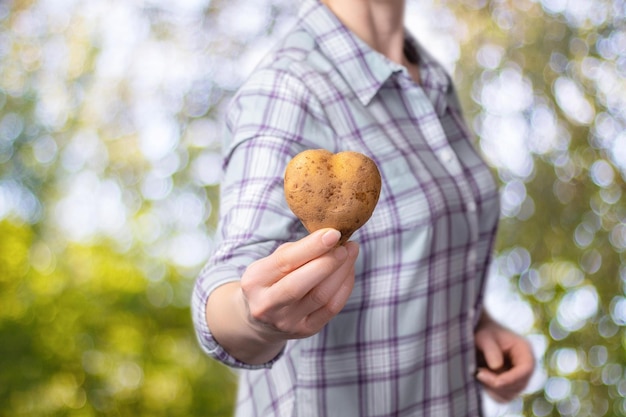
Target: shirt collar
<point x="365" y="69"/>
<point x="434" y="79"/>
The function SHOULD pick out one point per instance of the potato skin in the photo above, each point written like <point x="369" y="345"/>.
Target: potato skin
<point x="332" y="190"/>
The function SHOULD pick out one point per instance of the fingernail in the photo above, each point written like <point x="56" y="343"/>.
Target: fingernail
<point x="482" y="377"/>
<point x="331" y="237"/>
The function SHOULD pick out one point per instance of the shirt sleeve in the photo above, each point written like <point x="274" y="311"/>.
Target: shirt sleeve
<point x="270" y="120"/>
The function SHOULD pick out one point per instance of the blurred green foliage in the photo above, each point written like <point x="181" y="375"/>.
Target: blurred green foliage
<point x="552" y="75"/>
<point x="110" y="116"/>
<point x="84" y="333"/>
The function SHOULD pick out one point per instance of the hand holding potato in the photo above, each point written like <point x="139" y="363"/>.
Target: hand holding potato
<point x="290" y="294"/>
<point x="295" y="291"/>
<point x="299" y="288"/>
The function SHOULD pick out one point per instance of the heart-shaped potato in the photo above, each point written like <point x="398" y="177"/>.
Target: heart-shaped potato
<point x="332" y="190"/>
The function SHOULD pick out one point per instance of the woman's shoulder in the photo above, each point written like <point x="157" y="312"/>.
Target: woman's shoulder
<point x="295" y="62"/>
<point x="294" y="72"/>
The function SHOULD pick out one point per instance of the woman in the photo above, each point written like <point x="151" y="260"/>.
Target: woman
<point x="391" y="325"/>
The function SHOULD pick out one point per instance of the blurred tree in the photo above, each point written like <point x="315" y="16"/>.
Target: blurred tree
<point x="104" y="219"/>
<point x="110" y="118"/>
<point x="544" y="88"/>
<point x="84" y="333"/>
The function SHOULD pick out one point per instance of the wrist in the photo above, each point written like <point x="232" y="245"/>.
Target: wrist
<point x="258" y="332"/>
<point x="249" y="340"/>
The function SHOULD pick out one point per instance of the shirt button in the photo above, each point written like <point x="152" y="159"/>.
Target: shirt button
<point x="446" y="156"/>
<point x="471" y="206"/>
<point x="471" y="257"/>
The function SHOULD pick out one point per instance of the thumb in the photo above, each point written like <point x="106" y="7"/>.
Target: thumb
<point x="292" y="255"/>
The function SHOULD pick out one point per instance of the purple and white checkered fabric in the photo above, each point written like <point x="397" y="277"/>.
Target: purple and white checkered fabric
<point x="403" y="345"/>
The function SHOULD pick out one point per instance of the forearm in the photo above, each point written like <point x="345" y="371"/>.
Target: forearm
<point x="227" y="318"/>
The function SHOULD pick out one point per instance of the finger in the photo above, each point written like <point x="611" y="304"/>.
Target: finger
<point x="521" y="364"/>
<point x="486" y="377"/>
<point x="323" y="315"/>
<point x="489" y="381"/>
<point x="311" y="324"/>
<point x="515" y="378"/>
<point x="521" y="356"/>
<point x="508" y="384"/>
<point x="492" y="352"/>
<point x="323" y="293"/>
<point x="291" y="256"/>
<point x="294" y="287"/>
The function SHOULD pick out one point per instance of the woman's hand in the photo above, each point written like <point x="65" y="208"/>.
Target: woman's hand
<point x="291" y="294"/>
<point x="506" y="360"/>
<point x="295" y="291"/>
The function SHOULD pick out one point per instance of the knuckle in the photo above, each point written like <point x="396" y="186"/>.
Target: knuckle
<point x="265" y="316"/>
<point x="311" y="327"/>
<point x="280" y="326"/>
<point x="290" y="295"/>
<point x="249" y="279"/>
<point x="255" y="313"/>
<point x="285" y="295"/>
<point x="258" y="311"/>
<point x="334" y="307"/>
<point x="282" y="260"/>
<point x="286" y="326"/>
<point x="246" y="285"/>
<point x="319" y="296"/>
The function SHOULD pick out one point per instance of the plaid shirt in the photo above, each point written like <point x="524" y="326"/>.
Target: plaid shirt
<point x="403" y="345"/>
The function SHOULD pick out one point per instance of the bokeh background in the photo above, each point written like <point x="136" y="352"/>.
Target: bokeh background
<point x="110" y="129"/>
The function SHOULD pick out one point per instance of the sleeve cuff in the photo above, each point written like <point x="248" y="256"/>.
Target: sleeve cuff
<point x="208" y="343"/>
